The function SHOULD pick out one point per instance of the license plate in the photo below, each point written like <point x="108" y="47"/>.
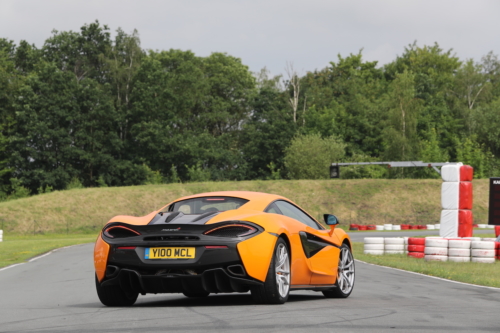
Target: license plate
<point x="170" y="253"/>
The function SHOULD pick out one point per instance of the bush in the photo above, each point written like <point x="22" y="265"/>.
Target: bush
<point x="310" y="156"/>
<point x="74" y="183"/>
<point x="196" y="173"/>
<point x="152" y="177"/>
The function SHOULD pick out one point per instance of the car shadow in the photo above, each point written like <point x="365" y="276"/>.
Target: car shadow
<point x="212" y="300"/>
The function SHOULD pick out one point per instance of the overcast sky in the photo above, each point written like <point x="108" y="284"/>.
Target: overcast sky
<point x="269" y="33"/>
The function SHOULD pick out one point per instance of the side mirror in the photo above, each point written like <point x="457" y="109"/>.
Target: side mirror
<point x="330" y="219"/>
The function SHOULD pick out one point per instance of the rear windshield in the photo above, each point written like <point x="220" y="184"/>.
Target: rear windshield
<point x="207" y="204"/>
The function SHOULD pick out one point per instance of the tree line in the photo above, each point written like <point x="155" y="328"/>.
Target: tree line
<point x="86" y="110"/>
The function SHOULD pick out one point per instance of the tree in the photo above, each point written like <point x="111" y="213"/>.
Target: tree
<point x="309" y="156"/>
<point x="344" y="99"/>
<point x="404" y="107"/>
<point x="268" y="131"/>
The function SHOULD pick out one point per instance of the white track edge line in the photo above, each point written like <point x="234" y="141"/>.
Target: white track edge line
<point x="37" y="257"/>
<point x="14" y="265"/>
<point x="429" y="276"/>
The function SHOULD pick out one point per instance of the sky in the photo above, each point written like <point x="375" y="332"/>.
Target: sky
<point x="308" y="34"/>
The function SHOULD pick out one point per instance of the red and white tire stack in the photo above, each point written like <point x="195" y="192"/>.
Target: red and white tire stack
<point x="456" y="201"/>
<point x="459" y="250"/>
<point x="416" y="247"/>
<point x="497" y="249"/>
<point x="394" y="245"/>
<point x="483" y="252"/>
<point x="436" y="249"/>
<point x="374" y="245"/>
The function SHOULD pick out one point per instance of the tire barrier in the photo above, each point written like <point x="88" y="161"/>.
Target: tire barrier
<point x="497" y="230"/>
<point x="1" y="235"/>
<point x="462" y="220"/>
<point x="362" y="227"/>
<point x="374" y="245"/>
<point x="483" y="251"/>
<point x="467" y="249"/>
<point x="394" y="245"/>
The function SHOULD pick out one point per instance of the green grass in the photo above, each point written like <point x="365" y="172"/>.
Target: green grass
<point x="474" y="273"/>
<point x="362" y="201"/>
<point x="17" y="249"/>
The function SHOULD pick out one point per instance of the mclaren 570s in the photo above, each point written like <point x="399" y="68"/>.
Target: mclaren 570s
<point x="223" y="242"/>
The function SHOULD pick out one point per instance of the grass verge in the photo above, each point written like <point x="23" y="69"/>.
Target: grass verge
<point x="474" y="273"/>
<point x="17" y="249"/>
<point x="362" y="201"/>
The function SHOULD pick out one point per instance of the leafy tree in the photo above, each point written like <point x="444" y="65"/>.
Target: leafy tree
<point x="268" y="131"/>
<point x="344" y="99"/>
<point x="310" y="156"/>
<point x="401" y="132"/>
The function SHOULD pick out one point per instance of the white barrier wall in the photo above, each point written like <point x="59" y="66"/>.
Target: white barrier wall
<point x="1" y="235"/>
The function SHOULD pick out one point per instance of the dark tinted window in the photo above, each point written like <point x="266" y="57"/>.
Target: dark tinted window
<point x="207" y="204"/>
<point x="295" y="213"/>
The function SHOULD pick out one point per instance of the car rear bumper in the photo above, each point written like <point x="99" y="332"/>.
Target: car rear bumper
<point x="215" y="280"/>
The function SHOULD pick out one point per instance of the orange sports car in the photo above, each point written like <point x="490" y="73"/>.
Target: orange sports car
<point x="223" y="242"/>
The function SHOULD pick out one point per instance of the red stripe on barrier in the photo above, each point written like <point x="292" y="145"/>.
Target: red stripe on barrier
<point x="416" y="241"/>
<point x="466" y="173"/>
<point x="416" y="248"/>
<point x="465" y="195"/>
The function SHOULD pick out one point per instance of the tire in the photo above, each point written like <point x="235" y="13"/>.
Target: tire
<point x="394" y="247"/>
<point x="276" y="288"/>
<point x="436" y="251"/>
<point x="114" y="295"/>
<point x="453" y="252"/>
<point x="483" y="245"/>
<point x="394" y="252"/>
<point x="483" y="253"/>
<point x="430" y="257"/>
<point x="346" y="272"/>
<point x="394" y="241"/>
<point x="416" y="248"/>
<point x="374" y="252"/>
<point x="374" y="247"/>
<point x="459" y="244"/>
<point x="484" y="260"/>
<point x="459" y="259"/>
<point x="436" y="242"/>
<point x="374" y="240"/>
<point x="202" y="294"/>
<point x="416" y="241"/>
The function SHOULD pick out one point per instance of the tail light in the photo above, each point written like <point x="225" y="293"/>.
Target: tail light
<point x="118" y="231"/>
<point x="231" y="231"/>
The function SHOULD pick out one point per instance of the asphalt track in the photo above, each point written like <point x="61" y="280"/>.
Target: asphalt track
<point x="56" y="294"/>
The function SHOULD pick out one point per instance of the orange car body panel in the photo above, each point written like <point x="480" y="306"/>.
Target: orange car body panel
<point x="101" y="252"/>
<point x="256" y="252"/>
